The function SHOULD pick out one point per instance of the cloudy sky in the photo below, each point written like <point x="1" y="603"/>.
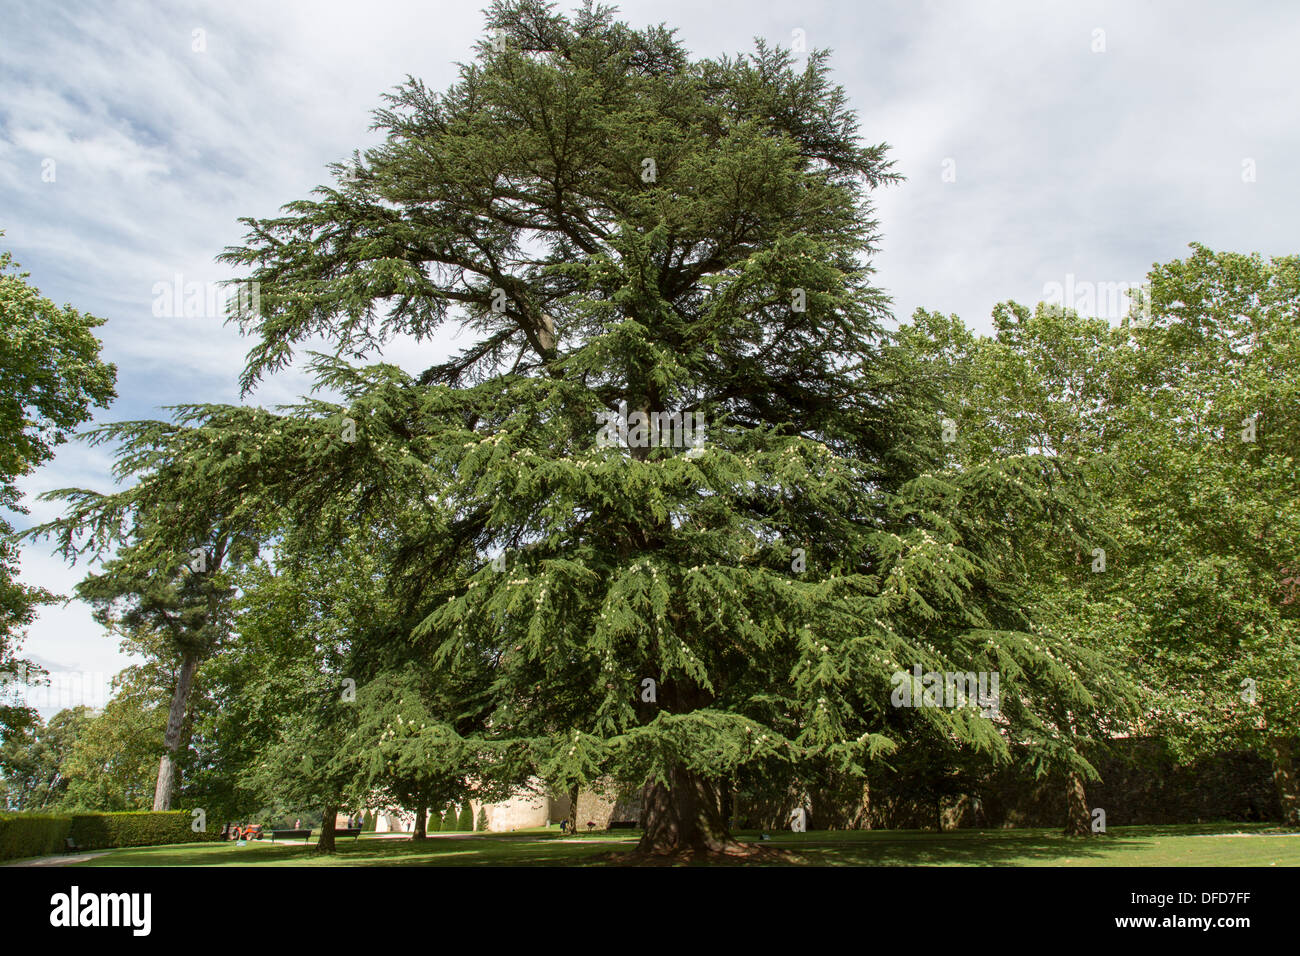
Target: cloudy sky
<point x="1039" y="140"/>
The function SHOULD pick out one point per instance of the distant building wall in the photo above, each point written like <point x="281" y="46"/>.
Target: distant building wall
<point x="602" y="804"/>
<point x="518" y="813"/>
<point x="394" y="821"/>
<point x="608" y="802"/>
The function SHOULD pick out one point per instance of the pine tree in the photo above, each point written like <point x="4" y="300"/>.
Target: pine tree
<point x="465" y="821"/>
<point x="405" y="751"/>
<point x="174" y="544"/>
<point x="637" y="237"/>
<point x="450" y="823"/>
<point x="482" y="823"/>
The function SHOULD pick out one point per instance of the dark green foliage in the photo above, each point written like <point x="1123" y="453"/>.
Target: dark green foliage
<point x="31" y="834"/>
<point x="626" y="229"/>
<point x="144" y="828"/>
<point x="403" y="750"/>
<point x="291" y="671"/>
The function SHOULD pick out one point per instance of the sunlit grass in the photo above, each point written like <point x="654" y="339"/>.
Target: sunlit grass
<point x="1200" y="845"/>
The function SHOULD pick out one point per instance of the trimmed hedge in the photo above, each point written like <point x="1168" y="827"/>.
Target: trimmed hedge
<point x="32" y="834"/>
<point x="42" y="834"/>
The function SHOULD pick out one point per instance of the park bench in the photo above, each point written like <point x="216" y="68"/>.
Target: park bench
<point x="354" y="832"/>
<point x="70" y="845"/>
<point x="303" y="835"/>
<point x="622" y="825"/>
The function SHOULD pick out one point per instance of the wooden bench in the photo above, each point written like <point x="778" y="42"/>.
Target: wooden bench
<point x="70" y="845"/>
<point x="345" y="832"/>
<point x="303" y="835"/>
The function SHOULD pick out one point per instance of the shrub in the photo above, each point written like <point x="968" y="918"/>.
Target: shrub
<point x="32" y="834"/>
<point x="94" y="831"/>
<point x="449" y="819"/>
<point x="465" y="822"/>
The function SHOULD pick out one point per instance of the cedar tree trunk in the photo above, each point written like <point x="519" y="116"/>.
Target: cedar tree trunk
<point x="861" y="819"/>
<point x="325" y="844"/>
<point x="1078" y="822"/>
<point x="162" y="794"/>
<point x="683" y="817"/>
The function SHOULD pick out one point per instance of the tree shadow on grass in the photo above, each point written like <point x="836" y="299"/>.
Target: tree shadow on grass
<point x="478" y="850"/>
<point x="1146" y="844"/>
<point x="996" y="847"/>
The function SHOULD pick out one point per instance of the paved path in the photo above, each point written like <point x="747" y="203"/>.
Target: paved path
<point x="63" y="859"/>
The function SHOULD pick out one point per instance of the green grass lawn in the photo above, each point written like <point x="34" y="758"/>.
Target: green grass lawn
<point x="1201" y="845"/>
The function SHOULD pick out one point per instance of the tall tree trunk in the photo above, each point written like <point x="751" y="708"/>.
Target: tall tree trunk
<point x="421" y="815"/>
<point x="166" y="785"/>
<point x="574" y="793"/>
<point x="183" y="747"/>
<point x="726" y="803"/>
<point x="682" y="817"/>
<point x="861" y="818"/>
<point x="1078" y="822"/>
<point x="325" y="843"/>
<point x="645" y="805"/>
<point x="1286" y="778"/>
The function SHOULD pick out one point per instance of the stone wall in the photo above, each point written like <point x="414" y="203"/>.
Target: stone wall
<point x="520" y="812"/>
<point x="608" y="802"/>
<point x="527" y="809"/>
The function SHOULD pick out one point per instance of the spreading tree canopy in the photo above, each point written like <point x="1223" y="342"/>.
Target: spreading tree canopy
<point x="634" y="236"/>
<point x="679" y="512"/>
